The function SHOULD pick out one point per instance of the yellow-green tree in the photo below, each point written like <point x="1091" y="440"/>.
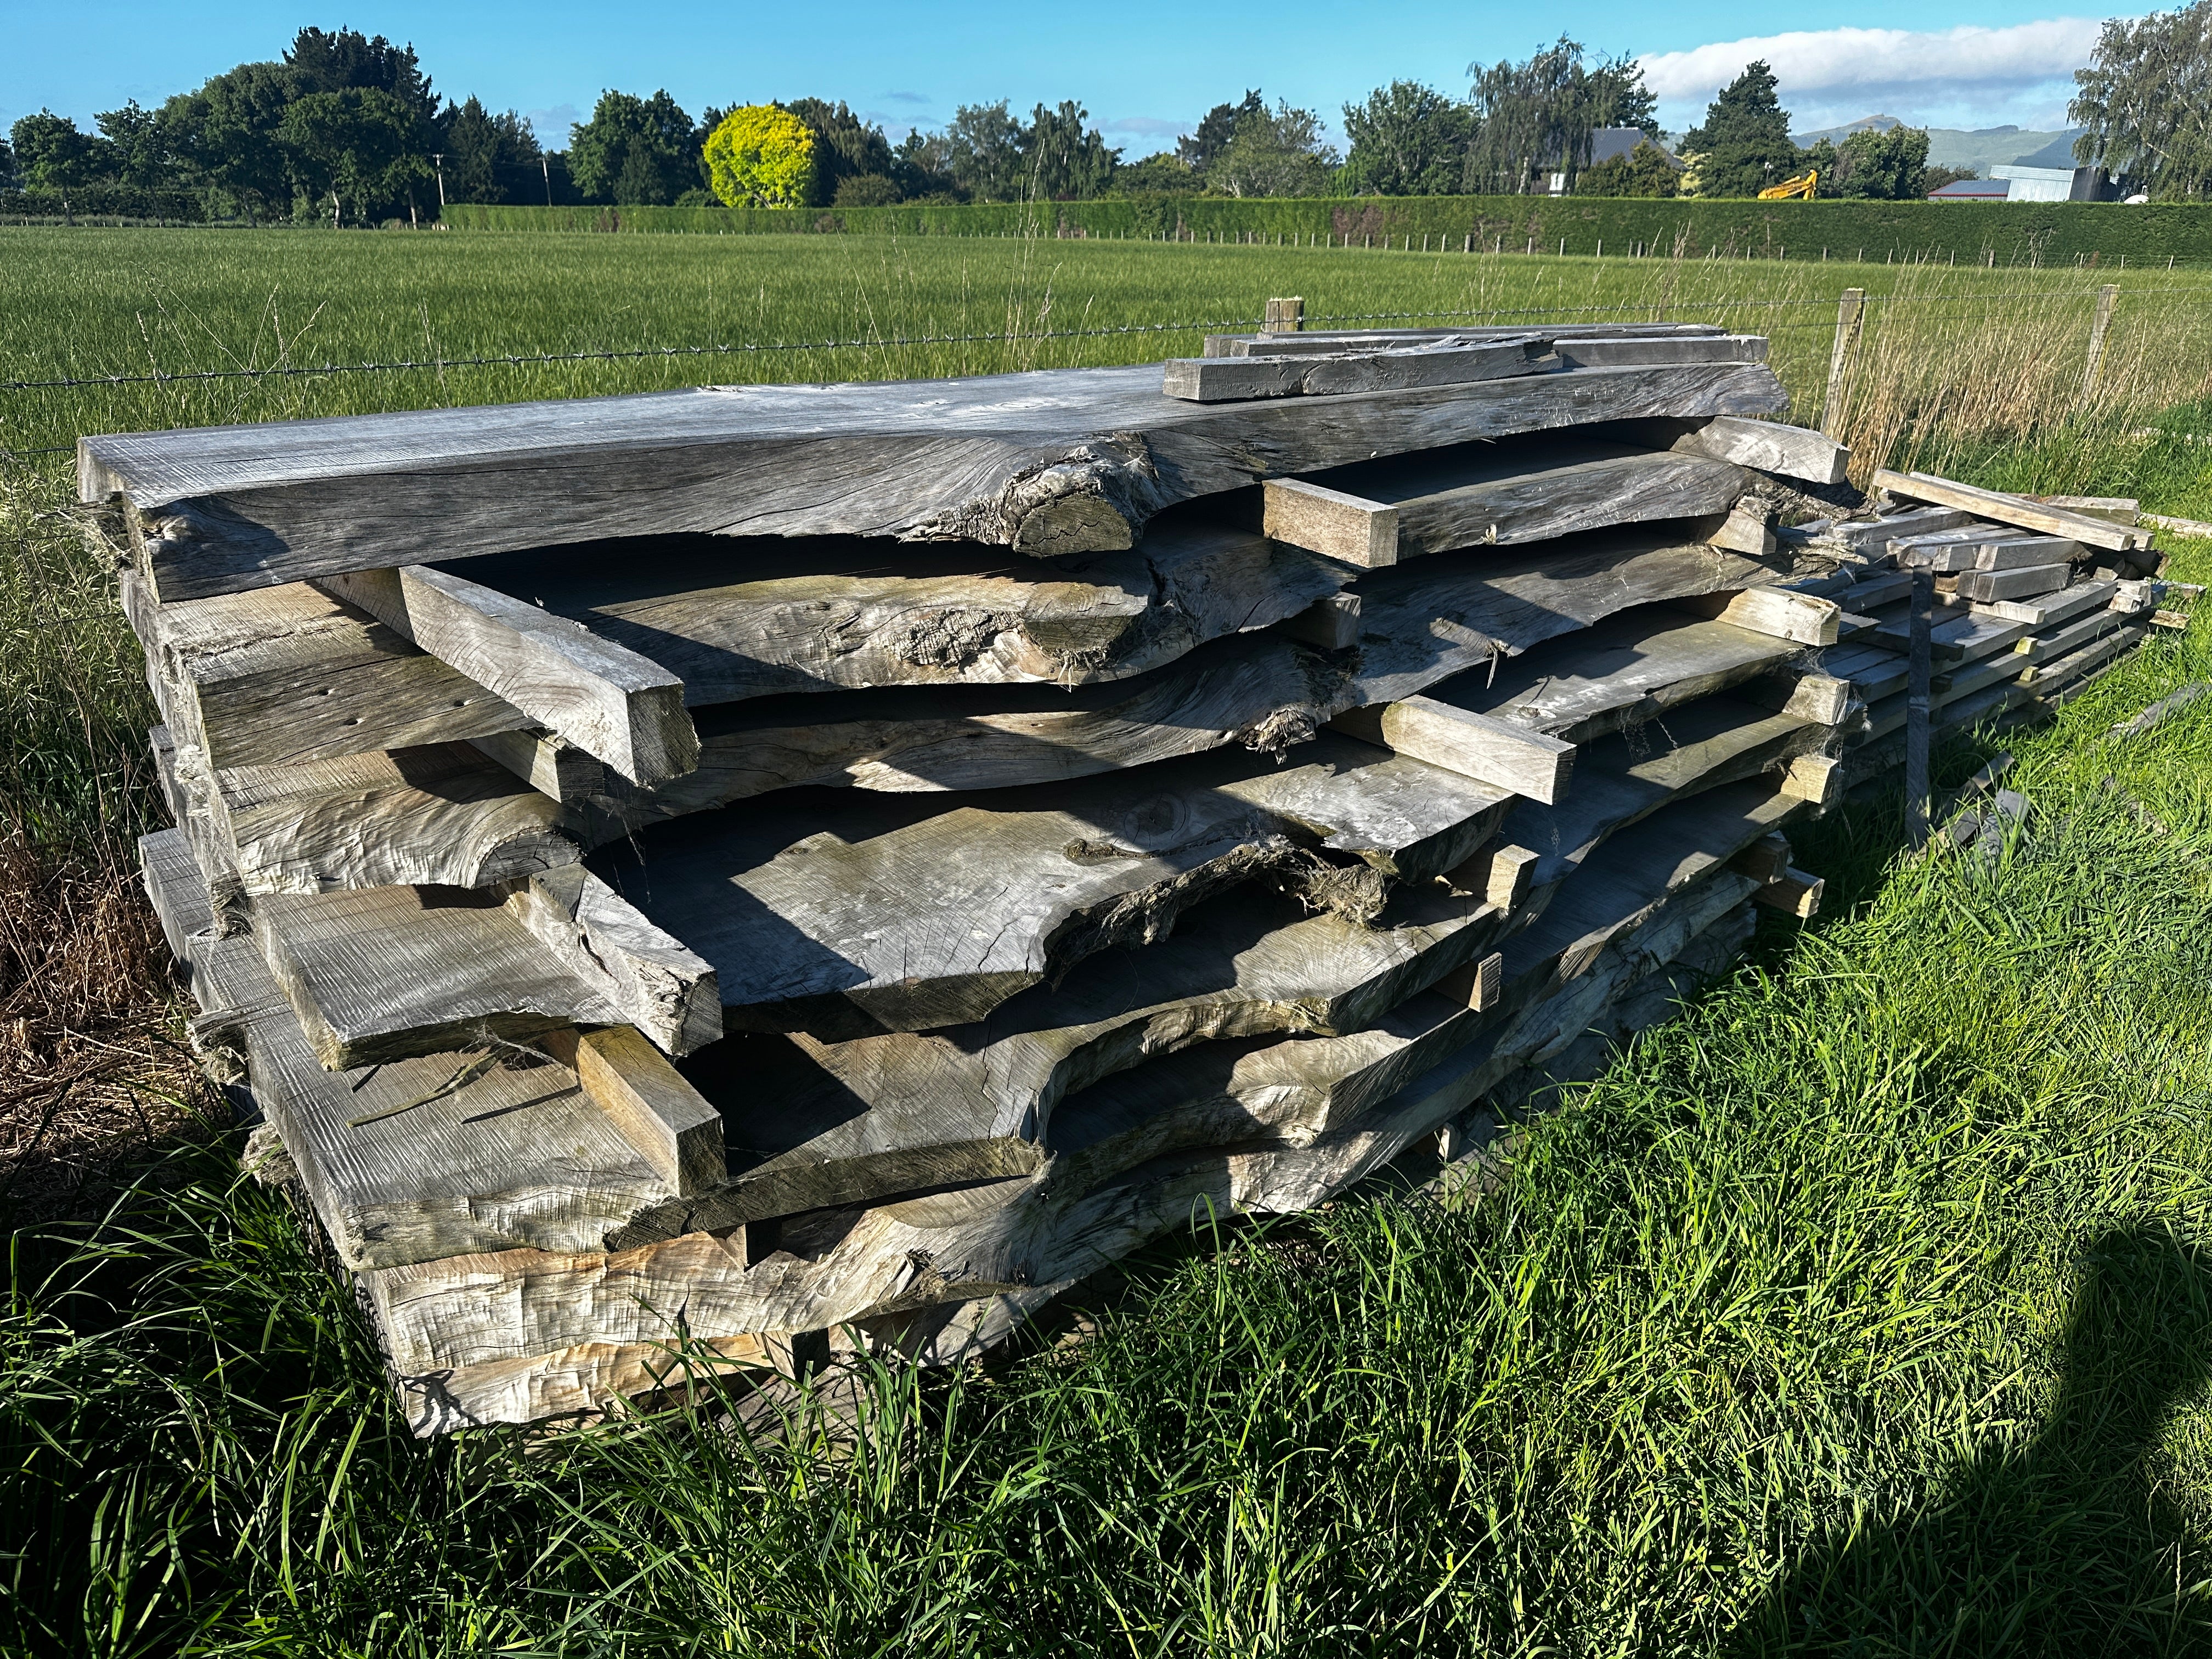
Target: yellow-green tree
<point x="761" y="155"/>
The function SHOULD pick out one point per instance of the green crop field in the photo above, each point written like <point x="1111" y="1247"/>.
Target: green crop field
<point x="1865" y="1310"/>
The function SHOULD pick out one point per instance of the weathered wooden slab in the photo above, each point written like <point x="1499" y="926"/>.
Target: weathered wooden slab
<point x="1377" y="513"/>
<point x="1308" y="1092"/>
<point x="1492" y="751"/>
<point x="1311" y="342"/>
<point x="516" y="1155"/>
<point x="1794" y="451"/>
<point x="1638" y="351"/>
<point x="1619" y="673"/>
<point x="770" y="616"/>
<point x="441" y="816"/>
<point x="656" y="1110"/>
<point x="287" y="674"/>
<point x="2057" y="640"/>
<point x="1049" y="463"/>
<point x="383" y="973"/>
<point x="1415" y="365"/>
<point x="2023" y="581"/>
<point x="1996" y="505"/>
<point x="841" y="915"/>
<point x="619" y="706"/>
<point x="2063" y="605"/>
<point x="1030" y="1230"/>
<point x="1805" y="618"/>
<point x="860" y="1121"/>
<point x="1416" y="626"/>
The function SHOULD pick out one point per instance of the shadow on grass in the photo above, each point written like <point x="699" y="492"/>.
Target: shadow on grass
<point x="2070" y="1543"/>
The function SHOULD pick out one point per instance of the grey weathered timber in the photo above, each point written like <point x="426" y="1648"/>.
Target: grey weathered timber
<point x="2063" y="605"/>
<point x="1050" y="463"/>
<point x="1411" y="366"/>
<point x="2022" y="582"/>
<point x="1332" y="624"/>
<point x="1803" y="618"/>
<point x="657" y="1111"/>
<point x="1031" y="1230"/>
<point x="1794" y="451"/>
<point x="860" y="1121"/>
<point x="1310" y="342"/>
<point x="516" y="1155"/>
<point x="1960" y="633"/>
<point x="665" y="990"/>
<point x="1620" y="674"/>
<point x="383" y="972"/>
<point x="2061" y="637"/>
<point x="966" y="1104"/>
<point x="1300" y="1093"/>
<point x="1996" y="505"/>
<point x="1645" y="351"/>
<point x="287" y="674"/>
<point x="2059" y="670"/>
<point x="1417" y="626"/>
<point x="549" y="764"/>
<point x="1874" y="535"/>
<point x="1492" y="751"/>
<point x="2011" y="552"/>
<point x="1483" y="495"/>
<point x="388" y="973"/>
<point x="615" y="705"/>
<point x="1944" y="552"/>
<point x="441" y="816"/>
<point x="842" y="915"/>
<point x="770" y="616"/>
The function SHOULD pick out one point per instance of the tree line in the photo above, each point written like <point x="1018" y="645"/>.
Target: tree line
<point x="347" y="128"/>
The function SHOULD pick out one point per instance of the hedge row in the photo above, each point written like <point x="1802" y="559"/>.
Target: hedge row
<point x="2001" y="232"/>
<point x="105" y="202"/>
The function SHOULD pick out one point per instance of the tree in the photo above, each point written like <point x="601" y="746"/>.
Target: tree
<point x="1165" y="173"/>
<point x="1744" y="145"/>
<point x="2145" y="102"/>
<point x="7" y="174"/>
<point x="1063" y="159"/>
<point x="984" y="151"/>
<point x="1934" y="179"/>
<point x="53" y="154"/>
<point x="228" y="129"/>
<point x="845" y="146"/>
<point x="865" y="190"/>
<point x="363" y="144"/>
<point x="635" y="151"/>
<point x="921" y="167"/>
<point x="1878" y="166"/>
<point x="1407" y="140"/>
<point x="761" y="155"/>
<point x="1217" y="130"/>
<point x="1278" y="154"/>
<point x="487" y="157"/>
<point x="343" y="60"/>
<point x="1646" y="171"/>
<point x="137" y="149"/>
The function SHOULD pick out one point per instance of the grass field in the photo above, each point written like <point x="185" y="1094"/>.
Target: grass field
<point x="1867" y="1309"/>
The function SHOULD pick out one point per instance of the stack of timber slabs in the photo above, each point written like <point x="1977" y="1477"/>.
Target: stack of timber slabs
<point x="2031" y="602"/>
<point x="787" y="866"/>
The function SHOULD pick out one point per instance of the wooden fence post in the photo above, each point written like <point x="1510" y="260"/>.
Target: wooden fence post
<point x="1284" y="316"/>
<point x="1919" y="666"/>
<point x="2107" y="296"/>
<point x="1851" y="310"/>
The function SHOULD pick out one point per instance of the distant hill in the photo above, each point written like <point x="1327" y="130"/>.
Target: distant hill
<point x="1981" y="149"/>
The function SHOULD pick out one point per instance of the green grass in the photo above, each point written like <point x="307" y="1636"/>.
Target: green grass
<point x="81" y="304"/>
<point x="1865" y="1310"/>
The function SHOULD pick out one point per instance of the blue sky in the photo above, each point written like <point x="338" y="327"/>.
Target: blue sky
<point x="1143" y="69"/>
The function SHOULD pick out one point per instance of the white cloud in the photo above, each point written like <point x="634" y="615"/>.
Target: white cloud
<point x="1968" y="72"/>
<point x="1147" y="126"/>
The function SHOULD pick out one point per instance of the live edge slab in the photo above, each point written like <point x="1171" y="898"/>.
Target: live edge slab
<point x="1049" y="463"/>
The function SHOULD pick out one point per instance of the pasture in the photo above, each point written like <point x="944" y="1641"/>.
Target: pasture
<point x="1867" y="1308"/>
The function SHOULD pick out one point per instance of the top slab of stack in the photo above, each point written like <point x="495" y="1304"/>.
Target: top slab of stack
<point x="1049" y="463"/>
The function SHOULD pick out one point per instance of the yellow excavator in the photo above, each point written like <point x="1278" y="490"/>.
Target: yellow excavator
<point x="1803" y="188"/>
